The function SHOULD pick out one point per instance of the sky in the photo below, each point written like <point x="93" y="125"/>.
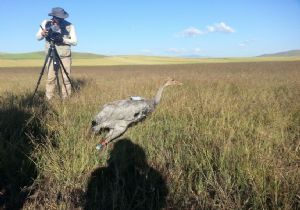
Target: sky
<point x="214" y="28"/>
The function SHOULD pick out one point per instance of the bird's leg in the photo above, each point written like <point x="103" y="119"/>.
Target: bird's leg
<point x="102" y="144"/>
<point x="108" y="137"/>
<point x="96" y="129"/>
<point x="114" y="133"/>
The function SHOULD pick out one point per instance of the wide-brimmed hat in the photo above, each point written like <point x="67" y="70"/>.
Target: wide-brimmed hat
<point x="58" y="12"/>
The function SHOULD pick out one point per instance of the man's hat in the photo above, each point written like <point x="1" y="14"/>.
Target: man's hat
<point x="59" y="12"/>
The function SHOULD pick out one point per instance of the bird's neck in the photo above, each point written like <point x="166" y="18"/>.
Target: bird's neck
<point x="157" y="97"/>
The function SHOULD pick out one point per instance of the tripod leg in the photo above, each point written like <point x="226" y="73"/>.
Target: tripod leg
<point x="58" y="84"/>
<point x="42" y="72"/>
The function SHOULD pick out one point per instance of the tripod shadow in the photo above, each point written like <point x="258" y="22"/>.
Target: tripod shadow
<point x="128" y="182"/>
<point x="20" y="129"/>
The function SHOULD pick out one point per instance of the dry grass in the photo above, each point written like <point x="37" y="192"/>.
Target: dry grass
<point x="141" y="60"/>
<point x="227" y="139"/>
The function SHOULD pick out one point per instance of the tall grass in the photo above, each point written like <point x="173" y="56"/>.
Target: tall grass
<point x="229" y="138"/>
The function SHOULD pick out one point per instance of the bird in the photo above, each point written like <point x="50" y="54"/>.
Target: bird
<point x="118" y="116"/>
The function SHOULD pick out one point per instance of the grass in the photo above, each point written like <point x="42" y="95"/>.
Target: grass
<point x="81" y="59"/>
<point x="227" y="139"/>
<point x="40" y="55"/>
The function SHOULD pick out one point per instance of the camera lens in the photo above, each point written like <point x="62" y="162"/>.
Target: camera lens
<point x="55" y="28"/>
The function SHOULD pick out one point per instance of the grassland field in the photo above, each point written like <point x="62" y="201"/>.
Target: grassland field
<point x="229" y="138"/>
<point x="85" y="59"/>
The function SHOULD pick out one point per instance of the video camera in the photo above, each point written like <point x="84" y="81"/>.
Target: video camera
<point x="53" y="33"/>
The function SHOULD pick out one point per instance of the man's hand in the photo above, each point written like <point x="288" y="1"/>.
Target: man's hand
<point x="44" y="33"/>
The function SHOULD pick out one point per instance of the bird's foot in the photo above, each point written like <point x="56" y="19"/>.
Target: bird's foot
<point x="101" y="145"/>
<point x="98" y="146"/>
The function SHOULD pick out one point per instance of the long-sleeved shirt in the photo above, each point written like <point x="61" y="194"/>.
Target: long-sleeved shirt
<point x="69" y="41"/>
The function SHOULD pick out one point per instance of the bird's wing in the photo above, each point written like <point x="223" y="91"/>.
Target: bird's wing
<point x="127" y="110"/>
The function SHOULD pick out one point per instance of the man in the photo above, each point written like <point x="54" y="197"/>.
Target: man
<point x="66" y="36"/>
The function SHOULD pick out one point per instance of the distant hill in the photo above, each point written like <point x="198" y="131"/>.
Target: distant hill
<point x="193" y="56"/>
<point x="41" y="55"/>
<point x="80" y="55"/>
<point x="21" y="56"/>
<point x="289" y="53"/>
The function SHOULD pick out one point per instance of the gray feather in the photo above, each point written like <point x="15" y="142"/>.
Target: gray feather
<point x="117" y="116"/>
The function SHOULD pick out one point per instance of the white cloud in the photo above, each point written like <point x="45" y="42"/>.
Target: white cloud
<point x="176" y="50"/>
<point x="191" y="32"/>
<point x="146" y="51"/>
<point x="197" y="50"/>
<point x="246" y="43"/>
<point x="182" y="51"/>
<point x="220" y="27"/>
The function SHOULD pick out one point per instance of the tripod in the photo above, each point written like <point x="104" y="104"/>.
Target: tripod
<point x="53" y="57"/>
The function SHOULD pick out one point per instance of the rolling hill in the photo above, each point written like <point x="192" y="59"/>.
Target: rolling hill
<point x="290" y="53"/>
<point x="41" y="55"/>
<point x="35" y="59"/>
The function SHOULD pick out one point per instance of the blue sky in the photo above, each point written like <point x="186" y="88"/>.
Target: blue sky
<point x="214" y="28"/>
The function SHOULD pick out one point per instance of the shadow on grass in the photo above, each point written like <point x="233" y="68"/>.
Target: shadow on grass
<point x="80" y="83"/>
<point x="127" y="182"/>
<point x="21" y="128"/>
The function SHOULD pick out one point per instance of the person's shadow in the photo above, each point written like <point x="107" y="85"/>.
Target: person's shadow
<point x="21" y="129"/>
<point x="127" y="182"/>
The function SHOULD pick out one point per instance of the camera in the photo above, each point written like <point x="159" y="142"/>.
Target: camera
<point x="54" y="33"/>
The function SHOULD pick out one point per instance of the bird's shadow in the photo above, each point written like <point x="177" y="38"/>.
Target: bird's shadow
<point x="127" y="182"/>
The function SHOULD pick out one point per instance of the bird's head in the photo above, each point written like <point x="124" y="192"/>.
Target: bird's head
<point x="171" y="81"/>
